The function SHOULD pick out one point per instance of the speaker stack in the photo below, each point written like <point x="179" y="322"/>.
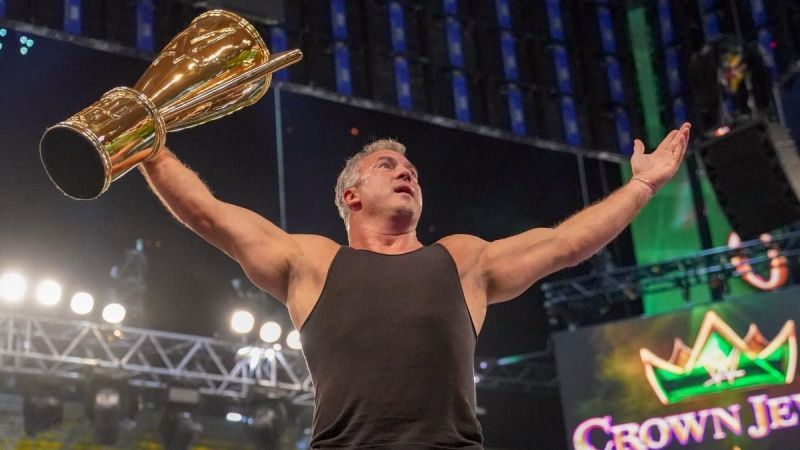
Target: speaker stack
<point x="755" y="172"/>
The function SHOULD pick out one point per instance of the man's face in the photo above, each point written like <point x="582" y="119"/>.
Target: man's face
<point x="388" y="184"/>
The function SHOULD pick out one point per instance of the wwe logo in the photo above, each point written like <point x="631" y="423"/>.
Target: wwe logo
<point x="725" y="368"/>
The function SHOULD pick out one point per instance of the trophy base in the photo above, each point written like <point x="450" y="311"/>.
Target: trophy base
<point x="73" y="163"/>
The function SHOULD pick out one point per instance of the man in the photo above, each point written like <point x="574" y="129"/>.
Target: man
<point x="389" y="325"/>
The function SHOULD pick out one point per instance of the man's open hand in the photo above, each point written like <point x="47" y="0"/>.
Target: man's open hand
<point x="659" y="166"/>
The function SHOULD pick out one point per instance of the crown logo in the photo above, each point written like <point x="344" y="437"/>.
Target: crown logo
<point x="721" y="361"/>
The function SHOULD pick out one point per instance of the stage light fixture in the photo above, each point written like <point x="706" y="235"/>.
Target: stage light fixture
<point x="12" y="287"/>
<point x="114" y="313"/>
<point x="178" y="428"/>
<point x="48" y="293"/>
<point x="293" y="340"/>
<point x="233" y="417"/>
<point x="107" y="414"/>
<point x="242" y="321"/>
<point x="82" y="303"/>
<point x="41" y="411"/>
<point x="270" y="332"/>
<point x="25" y="44"/>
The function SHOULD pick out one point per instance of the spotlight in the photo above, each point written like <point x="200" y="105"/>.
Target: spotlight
<point x="293" y="340"/>
<point x="25" y="44"/>
<point x="82" y="303"/>
<point x="12" y="287"/>
<point x="722" y="131"/>
<point x="114" y="313"/>
<point x="233" y="417"/>
<point x="270" y="332"/>
<point x="48" y="293"/>
<point x="242" y="322"/>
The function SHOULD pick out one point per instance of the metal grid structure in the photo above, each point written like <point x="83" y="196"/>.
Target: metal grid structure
<point x="59" y="348"/>
<point x="72" y="349"/>
<point x="629" y="283"/>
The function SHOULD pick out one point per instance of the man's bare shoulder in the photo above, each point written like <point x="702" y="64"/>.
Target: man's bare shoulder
<point x="315" y="242"/>
<point x="462" y="240"/>
<point x="465" y="248"/>
<point x="316" y="248"/>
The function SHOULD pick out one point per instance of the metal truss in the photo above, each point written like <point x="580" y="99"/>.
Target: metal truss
<point x="628" y="283"/>
<point x="56" y="348"/>
<point x="75" y="349"/>
<point x="519" y="373"/>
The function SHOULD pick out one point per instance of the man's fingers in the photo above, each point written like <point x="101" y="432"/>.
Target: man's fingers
<point x="686" y="131"/>
<point x="668" y="141"/>
<point x="638" y="147"/>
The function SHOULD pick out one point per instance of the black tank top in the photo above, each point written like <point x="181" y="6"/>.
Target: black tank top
<point x="390" y="347"/>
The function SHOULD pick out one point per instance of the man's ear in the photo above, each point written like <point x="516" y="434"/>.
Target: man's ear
<point x="351" y="199"/>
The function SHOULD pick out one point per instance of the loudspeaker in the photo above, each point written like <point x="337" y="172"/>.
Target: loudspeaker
<point x="755" y="172"/>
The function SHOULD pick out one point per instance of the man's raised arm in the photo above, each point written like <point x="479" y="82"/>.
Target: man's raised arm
<point x="265" y="252"/>
<point x="510" y="266"/>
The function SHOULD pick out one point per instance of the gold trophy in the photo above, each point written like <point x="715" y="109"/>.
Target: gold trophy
<point x="216" y="66"/>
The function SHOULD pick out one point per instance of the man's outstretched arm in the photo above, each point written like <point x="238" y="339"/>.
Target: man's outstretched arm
<point x="510" y="266"/>
<point x="265" y="252"/>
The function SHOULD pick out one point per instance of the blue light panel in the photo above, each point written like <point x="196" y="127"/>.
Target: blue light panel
<point x="672" y="62"/>
<point x="454" y="45"/>
<point x="516" y="110"/>
<point x="616" y="88"/>
<point x="563" y="77"/>
<point x="397" y="27"/>
<point x="144" y="25"/>
<point x="341" y="52"/>
<point x="509" y="56"/>
<point x="456" y="54"/>
<point x="460" y="96"/>
<point x="555" y="20"/>
<point x="508" y="51"/>
<point x="72" y="16"/>
<point x="765" y="38"/>
<point x="344" y="80"/>
<point x="673" y="71"/>
<point x="339" y="19"/>
<point x="402" y="82"/>
<point x="606" y="30"/>
<point x="570" y="118"/>
<point x="402" y="76"/>
<point x="503" y="14"/>
<point x="711" y="26"/>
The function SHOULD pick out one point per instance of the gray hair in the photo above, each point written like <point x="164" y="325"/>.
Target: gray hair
<point x="350" y="176"/>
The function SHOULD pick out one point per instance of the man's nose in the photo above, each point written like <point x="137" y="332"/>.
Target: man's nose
<point x="404" y="174"/>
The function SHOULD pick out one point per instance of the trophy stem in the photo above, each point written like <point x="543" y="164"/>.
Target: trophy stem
<point x="276" y="62"/>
